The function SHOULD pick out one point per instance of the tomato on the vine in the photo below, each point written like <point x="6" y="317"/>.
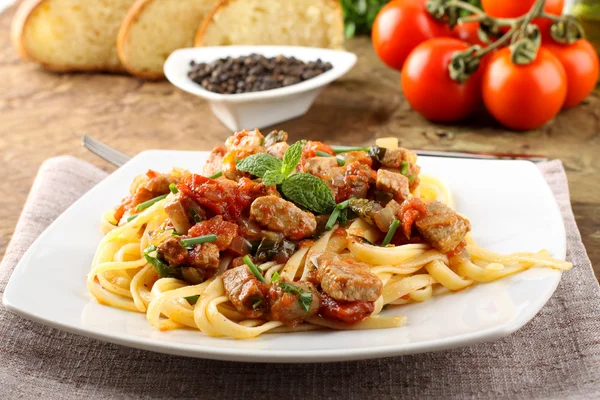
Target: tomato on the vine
<point x="428" y="87"/>
<point x="402" y="25"/>
<point x="524" y="97"/>
<point x="517" y="8"/>
<point x="581" y="65"/>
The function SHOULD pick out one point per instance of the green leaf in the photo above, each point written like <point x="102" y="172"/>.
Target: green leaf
<point x="273" y="178"/>
<point x="162" y="269"/>
<point x="259" y="164"/>
<point x="308" y="191"/>
<point x="292" y="157"/>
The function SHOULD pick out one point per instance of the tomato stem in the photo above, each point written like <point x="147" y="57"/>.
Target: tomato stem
<point x="523" y="37"/>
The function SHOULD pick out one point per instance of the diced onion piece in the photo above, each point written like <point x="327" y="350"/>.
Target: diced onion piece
<point x="240" y="245"/>
<point x="384" y="218"/>
<point x="387" y="143"/>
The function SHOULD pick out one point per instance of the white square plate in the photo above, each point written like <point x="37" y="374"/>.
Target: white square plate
<point x="510" y="207"/>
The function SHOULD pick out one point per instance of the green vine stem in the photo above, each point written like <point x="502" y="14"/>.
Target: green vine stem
<point x="522" y="37"/>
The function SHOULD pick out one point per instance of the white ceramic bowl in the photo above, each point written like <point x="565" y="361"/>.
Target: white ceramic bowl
<point x="258" y="109"/>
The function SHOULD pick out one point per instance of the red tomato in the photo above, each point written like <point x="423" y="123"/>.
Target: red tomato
<point x="400" y="26"/>
<point x="526" y="96"/>
<point x="430" y="90"/>
<point x="581" y="65"/>
<point x="469" y="33"/>
<point x="516" y="8"/>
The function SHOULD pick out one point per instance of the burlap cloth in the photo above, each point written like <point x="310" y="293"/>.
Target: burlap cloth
<point x="557" y="355"/>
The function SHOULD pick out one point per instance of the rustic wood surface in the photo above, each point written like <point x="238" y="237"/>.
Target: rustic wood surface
<point x="44" y="114"/>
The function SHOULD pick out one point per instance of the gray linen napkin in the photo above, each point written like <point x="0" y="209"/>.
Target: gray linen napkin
<point x="557" y="355"/>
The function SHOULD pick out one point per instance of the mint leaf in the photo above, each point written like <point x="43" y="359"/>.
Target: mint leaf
<point x="259" y="164"/>
<point x="292" y="156"/>
<point x="273" y="178"/>
<point x="308" y="191"/>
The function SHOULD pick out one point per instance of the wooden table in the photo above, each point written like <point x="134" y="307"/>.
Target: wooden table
<point x="44" y="114"/>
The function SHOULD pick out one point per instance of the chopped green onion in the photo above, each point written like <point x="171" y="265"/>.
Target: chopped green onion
<point x="198" y="240"/>
<point x="197" y="218"/>
<point x="192" y="299"/>
<point x="275" y="277"/>
<point x="411" y="178"/>
<point x="404" y="168"/>
<point x="390" y="234"/>
<point x="132" y="217"/>
<point x="257" y="302"/>
<point x="216" y="175"/>
<point x="341" y="162"/>
<point x="344" y="204"/>
<point x="332" y="219"/>
<point x="305" y="296"/>
<point x="175" y="234"/>
<point x="254" y="269"/>
<point x="336" y="214"/>
<point x="163" y="269"/>
<point x="322" y="154"/>
<point x="173" y="188"/>
<point x="150" y="202"/>
<point x="345" y="149"/>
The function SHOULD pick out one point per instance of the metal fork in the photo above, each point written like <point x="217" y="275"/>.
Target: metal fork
<point x="117" y="158"/>
<point x="104" y="151"/>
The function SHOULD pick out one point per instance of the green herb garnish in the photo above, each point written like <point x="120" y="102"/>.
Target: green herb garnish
<point x="404" y="168"/>
<point x="173" y="188"/>
<point x="132" y="217"/>
<point x="162" y="269"/>
<point x="197" y="218"/>
<point x="388" y="237"/>
<point x="256" y="302"/>
<point x="192" y="299"/>
<point x="216" y="175"/>
<point x="275" y="277"/>
<point x="337" y="211"/>
<point x="308" y="191"/>
<point x="346" y="149"/>
<point x="341" y="162"/>
<point x="259" y="164"/>
<point x="305" y="296"/>
<point x="146" y="204"/>
<point x="198" y="240"/>
<point x="254" y="269"/>
<point x="301" y="188"/>
<point x="292" y="157"/>
<point x="322" y="154"/>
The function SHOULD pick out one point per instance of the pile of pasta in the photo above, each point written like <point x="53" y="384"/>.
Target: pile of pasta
<point x="121" y="277"/>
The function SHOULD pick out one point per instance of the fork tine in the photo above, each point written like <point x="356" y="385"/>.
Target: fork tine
<point x="104" y="151"/>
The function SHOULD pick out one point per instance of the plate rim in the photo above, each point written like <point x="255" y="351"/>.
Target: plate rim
<point x="280" y="356"/>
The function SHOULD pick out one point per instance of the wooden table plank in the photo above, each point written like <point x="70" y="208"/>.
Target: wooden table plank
<point x="44" y="114"/>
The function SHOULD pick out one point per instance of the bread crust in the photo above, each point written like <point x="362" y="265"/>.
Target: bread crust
<point x="17" y="35"/>
<point x="222" y="3"/>
<point x="131" y="17"/>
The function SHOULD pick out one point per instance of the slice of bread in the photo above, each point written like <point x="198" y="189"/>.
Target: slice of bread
<point x="70" y="35"/>
<point x="153" y="29"/>
<point x="315" y="23"/>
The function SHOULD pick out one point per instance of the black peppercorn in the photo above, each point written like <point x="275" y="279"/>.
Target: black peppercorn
<point x="254" y="73"/>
